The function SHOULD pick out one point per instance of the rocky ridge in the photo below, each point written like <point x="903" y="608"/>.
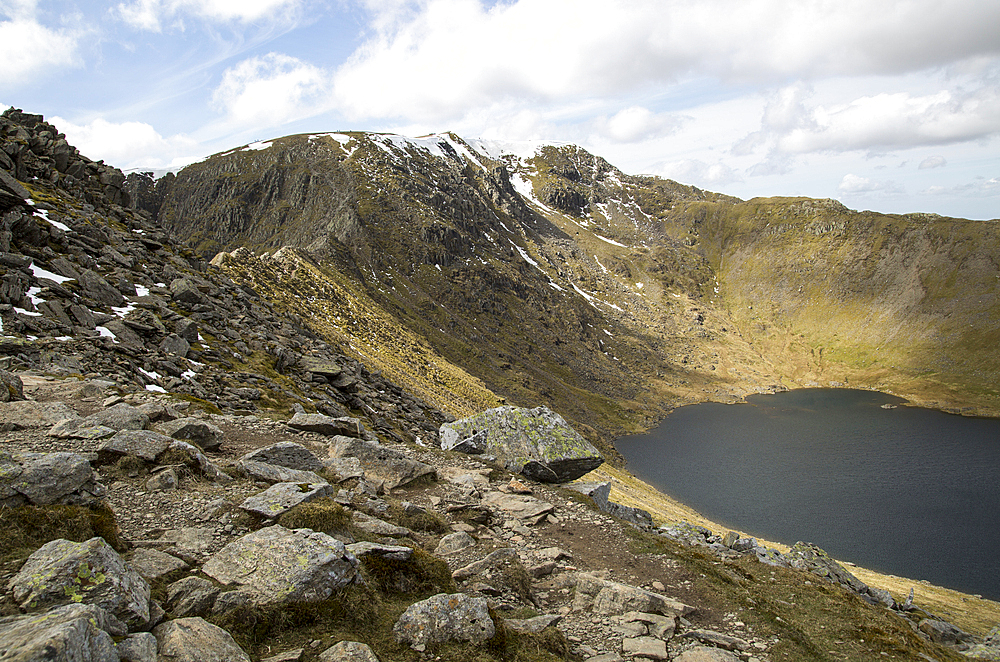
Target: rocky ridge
<point x="221" y="427"/>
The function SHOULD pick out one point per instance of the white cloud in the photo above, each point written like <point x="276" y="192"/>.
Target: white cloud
<point x="853" y="186"/>
<point x="126" y="144"/>
<point x="697" y="172"/>
<point x="636" y="123"/>
<point x="30" y="48"/>
<point x="440" y="58"/>
<point x="271" y="90"/>
<point x="936" y="161"/>
<point x="151" y="14"/>
<point x="980" y="187"/>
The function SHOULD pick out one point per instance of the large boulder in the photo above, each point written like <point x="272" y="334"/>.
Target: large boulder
<point x="122" y="416"/>
<point x="47" y="478"/>
<point x="380" y="462"/>
<point x="91" y="572"/>
<point x="71" y="632"/>
<point x="196" y="640"/>
<point x="277" y="565"/>
<point x="535" y="442"/>
<point x="442" y="618"/>
<point x="144" y="444"/>
<point x="273" y="473"/>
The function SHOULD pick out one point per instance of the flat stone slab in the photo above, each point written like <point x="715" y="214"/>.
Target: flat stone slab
<point x="532" y="625"/>
<point x="286" y="454"/>
<point x="378" y="527"/>
<point x="279" y="565"/>
<point x="326" y="425"/>
<point x="30" y="414"/>
<point x="520" y="506"/>
<point x="607" y="597"/>
<point x="282" y="497"/>
<point x="273" y="473"/>
<point x="650" y="648"/>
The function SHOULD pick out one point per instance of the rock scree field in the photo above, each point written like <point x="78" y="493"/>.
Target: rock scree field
<point x="230" y="447"/>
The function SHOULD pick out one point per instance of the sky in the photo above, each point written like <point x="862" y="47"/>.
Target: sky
<point x="889" y="105"/>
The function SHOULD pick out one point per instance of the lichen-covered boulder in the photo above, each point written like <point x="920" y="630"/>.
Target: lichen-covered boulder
<point x="607" y="597"/>
<point x="535" y="442"/>
<point x="442" y="618"/>
<point x="274" y="473"/>
<point x="196" y="640"/>
<point x="78" y="632"/>
<point x="278" y="565"/>
<point x="91" y="572"/>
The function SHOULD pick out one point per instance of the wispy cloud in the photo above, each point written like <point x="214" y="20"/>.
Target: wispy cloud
<point x="152" y="14"/>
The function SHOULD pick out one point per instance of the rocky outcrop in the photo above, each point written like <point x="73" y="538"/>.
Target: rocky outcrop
<point x="537" y="443"/>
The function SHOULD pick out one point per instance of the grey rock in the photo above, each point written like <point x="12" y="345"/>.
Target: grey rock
<point x="390" y="552"/>
<point x="163" y="480"/>
<point x="152" y="564"/>
<point x="532" y="625"/>
<point x="807" y="556"/>
<point x="203" y="434"/>
<point x="282" y="497"/>
<point x="11" y="387"/>
<point x="122" y="416"/>
<point x="91" y="572"/>
<point x="294" y="655"/>
<point x="138" y="647"/>
<point x="158" y="412"/>
<point x="656" y="625"/>
<point x="185" y="290"/>
<point x="535" y="442"/>
<point x="174" y="344"/>
<point x="454" y="542"/>
<point x="197" y="460"/>
<point x="187" y="329"/>
<point x="705" y="654"/>
<point x="348" y="651"/>
<point x="144" y="444"/>
<point x="492" y="560"/>
<point x="442" y="618"/>
<point x="286" y="454"/>
<point x="191" y="596"/>
<point x="95" y="287"/>
<point x="194" y="639"/>
<point x="344" y="468"/>
<point x="607" y="597"/>
<point x="272" y="473"/>
<point x="520" y="506"/>
<point x="77" y="632"/>
<point x="328" y="425"/>
<point x="23" y="414"/>
<point x="649" y="648"/>
<point x="380" y="462"/>
<point x="280" y="566"/>
<point x="79" y="428"/>
<point x="717" y="639"/>
<point x="378" y="527"/>
<point x="190" y="543"/>
<point x="943" y="632"/>
<point x="47" y="478"/>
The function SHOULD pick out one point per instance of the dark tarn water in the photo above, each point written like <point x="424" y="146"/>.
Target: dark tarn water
<point x="911" y="492"/>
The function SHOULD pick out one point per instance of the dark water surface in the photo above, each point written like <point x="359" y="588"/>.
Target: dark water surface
<point x="912" y="492"/>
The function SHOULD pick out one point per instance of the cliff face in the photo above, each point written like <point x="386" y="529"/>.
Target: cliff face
<point x="547" y="275"/>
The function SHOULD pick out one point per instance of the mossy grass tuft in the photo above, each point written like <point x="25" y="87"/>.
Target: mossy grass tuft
<point x="324" y="515"/>
<point x="26" y="528"/>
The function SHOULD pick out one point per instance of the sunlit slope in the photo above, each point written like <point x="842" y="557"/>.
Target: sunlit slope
<point x="904" y="303"/>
